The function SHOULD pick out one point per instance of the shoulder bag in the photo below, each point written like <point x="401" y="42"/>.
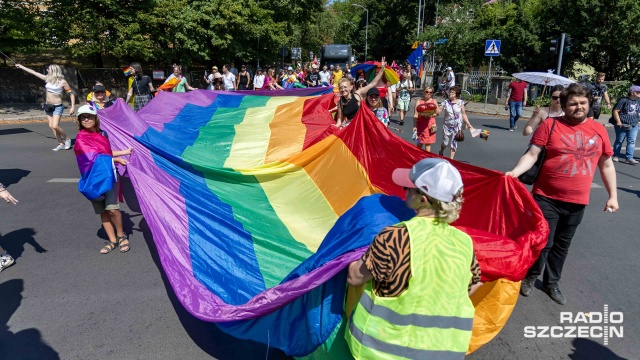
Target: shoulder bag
<point x="531" y="175"/>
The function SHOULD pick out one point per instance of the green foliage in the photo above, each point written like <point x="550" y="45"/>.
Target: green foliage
<point x="605" y="34"/>
<point x="20" y="28"/>
<point x="464" y="46"/>
<point x="477" y="98"/>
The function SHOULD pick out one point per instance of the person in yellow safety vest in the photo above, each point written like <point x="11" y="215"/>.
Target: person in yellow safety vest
<point x="416" y="302"/>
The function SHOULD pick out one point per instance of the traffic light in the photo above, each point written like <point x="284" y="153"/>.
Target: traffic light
<point x="555" y="44"/>
<point x="568" y="41"/>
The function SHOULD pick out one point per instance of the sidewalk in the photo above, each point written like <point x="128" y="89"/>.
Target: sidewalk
<point x="23" y="112"/>
<point x="499" y="111"/>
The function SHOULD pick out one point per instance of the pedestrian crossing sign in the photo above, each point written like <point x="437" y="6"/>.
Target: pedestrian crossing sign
<point x="492" y="48"/>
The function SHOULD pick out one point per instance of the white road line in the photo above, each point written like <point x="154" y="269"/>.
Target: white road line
<point x="596" y="186"/>
<point x="64" y="180"/>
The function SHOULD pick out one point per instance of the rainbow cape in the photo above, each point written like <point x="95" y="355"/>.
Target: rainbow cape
<point x="169" y="84"/>
<point x="257" y="204"/>
<point x="95" y="162"/>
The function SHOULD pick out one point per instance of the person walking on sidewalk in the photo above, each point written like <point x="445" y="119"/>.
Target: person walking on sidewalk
<point x="625" y="118"/>
<point x="5" y="259"/>
<point x="575" y="145"/>
<point x="55" y="85"/>
<point x="516" y="99"/>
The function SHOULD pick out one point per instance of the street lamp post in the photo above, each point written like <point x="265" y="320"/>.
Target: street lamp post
<point x="366" y="32"/>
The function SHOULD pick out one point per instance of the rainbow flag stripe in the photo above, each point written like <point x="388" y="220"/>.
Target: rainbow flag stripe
<point x="256" y="204"/>
<point x="127" y="71"/>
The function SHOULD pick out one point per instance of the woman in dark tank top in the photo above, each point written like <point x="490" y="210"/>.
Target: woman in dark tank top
<point x="349" y="100"/>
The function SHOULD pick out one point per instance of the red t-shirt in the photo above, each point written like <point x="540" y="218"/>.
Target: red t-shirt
<point x="517" y="90"/>
<point x="572" y="158"/>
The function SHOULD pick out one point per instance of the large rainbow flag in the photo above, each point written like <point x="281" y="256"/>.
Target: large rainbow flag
<point x="257" y="204"/>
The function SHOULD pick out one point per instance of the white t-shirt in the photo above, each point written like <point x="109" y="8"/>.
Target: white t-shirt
<point x="451" y="79"/>
<point x="325" y="76"/>
<point x="258" y="82"/>
<point x="229" y="81"/>
<point x="210" y="78"/>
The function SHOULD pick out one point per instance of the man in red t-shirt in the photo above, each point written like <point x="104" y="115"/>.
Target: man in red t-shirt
<point x="516" y="99"/>
<point x="575" y="145"/>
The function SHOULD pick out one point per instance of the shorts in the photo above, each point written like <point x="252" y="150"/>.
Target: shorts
<point x="110" y="201"/>
<point x="403" y="105"/>
<point x="59" y="108"/>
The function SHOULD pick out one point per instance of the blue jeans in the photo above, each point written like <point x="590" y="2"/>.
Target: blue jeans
<point x="515" y="111"/>
<point x="630" y="135"/>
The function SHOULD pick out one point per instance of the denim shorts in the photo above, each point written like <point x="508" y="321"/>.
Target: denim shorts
<point x="59" y="108"/>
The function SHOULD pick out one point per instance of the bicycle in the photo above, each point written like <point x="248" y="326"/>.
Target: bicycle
<point x="465" y="96"/>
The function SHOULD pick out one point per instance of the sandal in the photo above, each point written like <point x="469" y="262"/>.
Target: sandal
<point x="123" y="247"/>
<point x="108" y="248"/>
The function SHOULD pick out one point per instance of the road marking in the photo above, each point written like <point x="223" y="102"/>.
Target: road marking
<point x="595" y="186"/>
<point x="64" y="180"/>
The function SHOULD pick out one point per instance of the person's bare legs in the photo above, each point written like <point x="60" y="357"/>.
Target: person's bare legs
<point x="58" y="132"/>
<point x="427" y="147"/>
<point x="453" y="153"/>
<point x="442" y="147"/>
<point x="116" y="219"/>
<point x="105" y="217"/>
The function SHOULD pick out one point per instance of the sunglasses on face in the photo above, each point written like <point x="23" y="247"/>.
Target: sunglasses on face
<point x="555" y="98"/>
<point x="86" y="118"/>
<point x="428" y="92"/>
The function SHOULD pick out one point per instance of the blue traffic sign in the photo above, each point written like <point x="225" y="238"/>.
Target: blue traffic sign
<point x="492" y="48"/>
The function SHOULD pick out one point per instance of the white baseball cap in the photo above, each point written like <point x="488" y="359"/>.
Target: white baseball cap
<point x="436" y="178"/>
<point x="87" y="109"/>
<point x="448" y="68"/>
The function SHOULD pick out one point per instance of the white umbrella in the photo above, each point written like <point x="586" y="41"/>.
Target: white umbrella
<point x="543" y="78"/>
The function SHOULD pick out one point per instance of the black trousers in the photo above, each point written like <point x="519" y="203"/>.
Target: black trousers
<point x="563" y="219"/>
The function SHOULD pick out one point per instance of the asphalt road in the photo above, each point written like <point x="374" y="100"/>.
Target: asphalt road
<point x="62" y="299"/>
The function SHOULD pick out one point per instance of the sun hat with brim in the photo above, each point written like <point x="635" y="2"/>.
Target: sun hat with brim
<point x="436" y="178"/>
<point x="87" y="109"/>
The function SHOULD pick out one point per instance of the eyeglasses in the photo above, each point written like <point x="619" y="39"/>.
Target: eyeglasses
<point x="555" y="98"/>
<point x="86" y="118"/>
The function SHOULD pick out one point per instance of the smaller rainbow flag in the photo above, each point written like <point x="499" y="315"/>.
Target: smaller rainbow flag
<point x="127" y="71"/>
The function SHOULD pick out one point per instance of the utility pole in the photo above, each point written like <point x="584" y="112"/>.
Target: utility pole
<point x="560" y="54"/>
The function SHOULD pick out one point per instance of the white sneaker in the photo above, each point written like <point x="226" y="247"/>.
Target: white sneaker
<point x="67" y="144"/>
<point x="615" y="159"/>
<point x="5" y="262"/>
<point x="58" y="148"/>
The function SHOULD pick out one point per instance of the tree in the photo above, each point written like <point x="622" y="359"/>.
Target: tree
<point x="19" y="27"/>
<point x="605" y="34"/>
<point x="460" y="44"/>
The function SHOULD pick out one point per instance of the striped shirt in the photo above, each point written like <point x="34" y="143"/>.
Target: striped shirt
<point x="388" y="261"/>
<point x="628" y="111"/>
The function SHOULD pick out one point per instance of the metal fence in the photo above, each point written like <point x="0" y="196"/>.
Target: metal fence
<point x="477" y="81"/>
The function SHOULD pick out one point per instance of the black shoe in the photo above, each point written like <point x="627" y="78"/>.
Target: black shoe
<point x="401" y="122"/>
<point x="555" y="294"/>
<point x="526" y="286"/>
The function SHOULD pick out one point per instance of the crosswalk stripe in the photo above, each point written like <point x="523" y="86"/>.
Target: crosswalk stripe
<point x="64" y="180"/>
<point x="595" y="186"/>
